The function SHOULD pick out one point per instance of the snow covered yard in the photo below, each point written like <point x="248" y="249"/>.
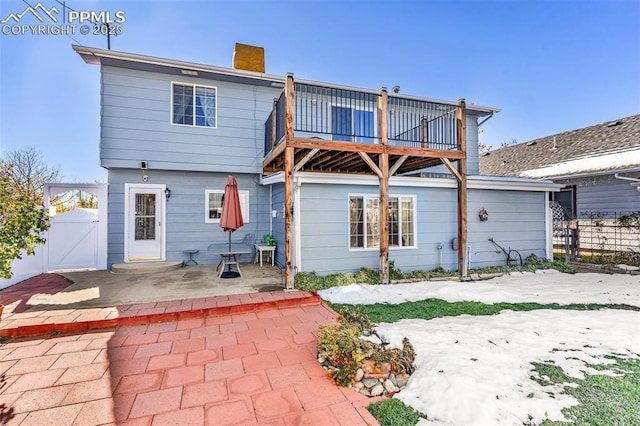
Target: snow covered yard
<point x="477" y="369"/>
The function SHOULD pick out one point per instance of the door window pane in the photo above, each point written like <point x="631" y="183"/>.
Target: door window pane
<point x="145" y="217"/>
<point x="341" y="123"/>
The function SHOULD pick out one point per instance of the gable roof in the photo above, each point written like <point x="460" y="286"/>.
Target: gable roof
<point x="612" y="146"/>
<point x="96" y="56"/>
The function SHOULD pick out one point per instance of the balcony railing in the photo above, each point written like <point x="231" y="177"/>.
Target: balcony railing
<point x="338" y="114"/>
<point x="274" y="126"/>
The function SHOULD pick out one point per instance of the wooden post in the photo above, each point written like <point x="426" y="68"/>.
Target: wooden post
<point x="423" y="132"/>
<point x="461" y="123"/>
<point x="383" y="165"/>
<point x="274" y="123"/>
<point x="288" y="182"/>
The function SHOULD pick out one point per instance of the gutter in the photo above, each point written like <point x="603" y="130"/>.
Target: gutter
<point x="635" y="181"/>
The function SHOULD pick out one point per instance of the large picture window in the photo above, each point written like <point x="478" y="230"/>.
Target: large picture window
<point x="213" y="205"/>
<point x="194" y="105"/>
<point x="364" y="221"/>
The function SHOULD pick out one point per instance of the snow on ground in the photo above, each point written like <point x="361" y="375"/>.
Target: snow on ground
<point x="475" y="370"/>
<point x="544" y="286"/>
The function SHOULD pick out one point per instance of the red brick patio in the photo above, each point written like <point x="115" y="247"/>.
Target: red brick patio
<point x="249" y="359"/>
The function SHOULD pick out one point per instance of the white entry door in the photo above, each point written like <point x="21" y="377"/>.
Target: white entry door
<point x="144" y="223"/>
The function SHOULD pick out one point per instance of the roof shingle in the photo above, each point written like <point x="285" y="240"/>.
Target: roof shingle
<point x="602" y="140"/>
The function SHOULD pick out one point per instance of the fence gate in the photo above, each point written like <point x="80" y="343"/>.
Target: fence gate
<point x="73" y="240"/>
<point x="565" y="233"/>
<point x="77" y="237"/>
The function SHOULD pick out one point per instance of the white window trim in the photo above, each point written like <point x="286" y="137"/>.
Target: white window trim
<point x="376" y="139"/>
<point x="399" y="196"/>
<point x="244" y="204"/>
<point x="193" y="86"/>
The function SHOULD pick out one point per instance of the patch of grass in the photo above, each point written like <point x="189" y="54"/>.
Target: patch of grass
<point x="603" y="400"/>
<point x="312" y="281"/>
<point x="392" y="412"/>
<point x="436" y="308"/>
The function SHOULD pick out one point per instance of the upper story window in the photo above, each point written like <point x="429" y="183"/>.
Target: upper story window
<point x="194" y="105"/>
<point x="352" y="124"/>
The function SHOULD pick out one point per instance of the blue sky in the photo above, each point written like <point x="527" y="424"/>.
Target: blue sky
<point x="551" y="66"/>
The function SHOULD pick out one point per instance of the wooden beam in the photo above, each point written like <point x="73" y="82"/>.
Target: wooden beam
<point x="383" y="163"/>
<point x="289" y="110"/>
<point x="461" y="125"/>
<point x="371" y="164"/>
<point x="423" y="152"/>
<point x="423" y="132"/>
<point x="288" y="183"/>
<point x="451" y="168"/>
<point x="275" y="153"/>
<point x="398" y="163"/>
<point x="337" y="146"/>
<point x="305" y="159"/>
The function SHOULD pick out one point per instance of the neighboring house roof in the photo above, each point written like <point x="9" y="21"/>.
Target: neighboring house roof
<point x="613" y="146"/>
<point x="95" y="56"/>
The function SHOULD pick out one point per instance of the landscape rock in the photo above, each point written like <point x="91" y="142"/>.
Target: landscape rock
<point x="389" y="386"/>
<point x="359" y="374"/>
<point x="392" y="377"/>
<point x="370" y="382"/>
<point x="401" y="380"/>
<point x="377" y="390"/>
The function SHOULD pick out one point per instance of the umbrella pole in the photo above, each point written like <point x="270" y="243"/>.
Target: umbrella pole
<point x="229" y="266"/>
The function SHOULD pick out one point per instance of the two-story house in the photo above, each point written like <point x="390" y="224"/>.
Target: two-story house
<point x="343" y="177"/>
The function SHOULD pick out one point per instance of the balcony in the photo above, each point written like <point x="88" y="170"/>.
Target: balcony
<point x="332" y="127"/>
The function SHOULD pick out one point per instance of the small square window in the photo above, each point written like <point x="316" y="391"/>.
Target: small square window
<point x="194" y="105"/>
<point x="213" y="205"/>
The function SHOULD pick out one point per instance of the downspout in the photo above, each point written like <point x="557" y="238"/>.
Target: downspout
<point x="297" y="258"/>
<point x="636" y="180"/>
<point x="548" y="226"/>
<point x="486" y="119"/>
<point x="270" y="209"/>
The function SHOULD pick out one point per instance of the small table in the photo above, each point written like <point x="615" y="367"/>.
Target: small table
<point x="190" y="253"/>
<point x="260" y="249"/>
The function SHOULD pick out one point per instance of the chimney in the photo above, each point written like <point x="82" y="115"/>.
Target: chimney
<point x="248" y="58"/>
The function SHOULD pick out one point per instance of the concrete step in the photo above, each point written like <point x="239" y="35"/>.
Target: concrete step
<point x="145" y="267"/>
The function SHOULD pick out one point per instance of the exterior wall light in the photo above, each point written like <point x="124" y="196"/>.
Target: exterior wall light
<point x="167" y="193"/>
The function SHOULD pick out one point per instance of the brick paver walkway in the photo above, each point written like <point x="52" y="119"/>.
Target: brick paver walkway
<point x="255" y="367"/>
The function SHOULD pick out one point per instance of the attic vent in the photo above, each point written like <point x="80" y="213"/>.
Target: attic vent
<point x="532" y="143"/>
<point x="614" y="123"/>
<point x="484" y="154"/>
<point x="248" y="58"/>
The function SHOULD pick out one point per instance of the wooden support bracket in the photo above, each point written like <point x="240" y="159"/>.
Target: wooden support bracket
<point x="397" y="165"/>
<point x="305" y="159"/>
<point x="452" y="169"/>
<point x="371" y="163"/>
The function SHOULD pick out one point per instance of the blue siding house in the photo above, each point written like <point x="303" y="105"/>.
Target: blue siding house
<point x="342" y="177"/>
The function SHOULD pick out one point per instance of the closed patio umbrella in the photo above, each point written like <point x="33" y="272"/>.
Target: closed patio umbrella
<point x="231" y="218"/>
